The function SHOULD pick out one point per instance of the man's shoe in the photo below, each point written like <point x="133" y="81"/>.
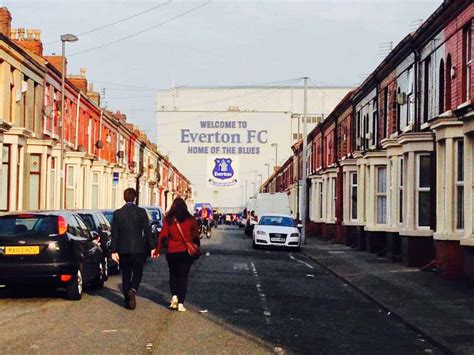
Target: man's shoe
<point x="181" y="308"/>
<point x="174" y="302"/>
<point x="133" y="298"/>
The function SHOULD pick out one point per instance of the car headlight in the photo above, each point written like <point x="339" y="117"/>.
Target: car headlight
<point x="295" y="235"/>
<point x="261" y="232"/>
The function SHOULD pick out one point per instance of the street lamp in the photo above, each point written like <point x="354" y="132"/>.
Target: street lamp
<point x="275" y="145"/>
<point x="64" y="38"/>
<point x="268" y="169"/>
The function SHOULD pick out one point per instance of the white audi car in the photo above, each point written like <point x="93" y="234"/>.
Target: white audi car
<point x="276" y="230"/>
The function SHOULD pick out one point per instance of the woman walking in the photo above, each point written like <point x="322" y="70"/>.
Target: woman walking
<point x="179" y="227"/>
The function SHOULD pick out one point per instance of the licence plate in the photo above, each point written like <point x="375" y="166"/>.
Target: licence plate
<point x="277" y="239"/>
<point x="32" y="250"/>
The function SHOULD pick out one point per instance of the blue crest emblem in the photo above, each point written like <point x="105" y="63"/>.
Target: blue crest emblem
<point x="223" y="168"/>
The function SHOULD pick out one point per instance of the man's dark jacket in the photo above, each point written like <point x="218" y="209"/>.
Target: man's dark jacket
<point x="130" y="230"/>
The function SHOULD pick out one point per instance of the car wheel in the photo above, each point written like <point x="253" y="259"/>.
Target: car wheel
<point x="255" y="246"/>
<point x="75" y="288"/>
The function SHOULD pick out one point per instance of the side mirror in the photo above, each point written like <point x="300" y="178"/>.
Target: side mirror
<point x="299" y="226"/>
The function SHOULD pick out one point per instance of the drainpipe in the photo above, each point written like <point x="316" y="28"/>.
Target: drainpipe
<point x="76" y="134"/>
<point x="140" y="172"/>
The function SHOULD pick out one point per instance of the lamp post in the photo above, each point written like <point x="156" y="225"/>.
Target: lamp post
<point x="261" y="180"/>
<point x="268" y="169"/>
<point x="275" y="145"/>
<point x="64" y="38"/>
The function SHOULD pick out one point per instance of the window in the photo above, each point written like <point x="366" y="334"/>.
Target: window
<point x="441" y="88"/>
<point x="5" y="178"/>
<point x="385" y="112"/>
<point x="52" y="189"/>
<point x="35" y="180"/>
<point x="334" y="198"/>
<point x="24" y="90"/>
<point x="375" y="118"/>
<point x="400" y="190"/>
<point x="399" y="110"/>
<point x="95" y="190"/>
<point x="459" y="205"/>
<point x="320" y="189"/>
<point x="410" y="119"/>
<point x="70" y="186"/>
<point x="449" y="68"/>
<point x="426" y="89"/>
<point x="467" y="61"/>
<point x="381" y="195"/>
<point x="353" y="196"/>
<point x="423" y="190"/>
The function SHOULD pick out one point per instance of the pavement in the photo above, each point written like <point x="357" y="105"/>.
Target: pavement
<point x="441" y="311"/>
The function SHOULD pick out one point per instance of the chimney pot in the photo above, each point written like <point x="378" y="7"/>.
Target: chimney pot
<point x="14" y="33"/>
<point x="21" y="34"/>
<point x="83" y="72"/>
<point x="29" y="33"/>
<point x="37" y="33"/>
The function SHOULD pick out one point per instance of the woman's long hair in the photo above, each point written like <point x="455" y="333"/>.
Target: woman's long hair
<point x="178" y="211"/>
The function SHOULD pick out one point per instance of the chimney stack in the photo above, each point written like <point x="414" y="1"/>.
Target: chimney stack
<point x="80" y="80"/>
<point x="5" y="21"/>
<point x="32" y="41"/>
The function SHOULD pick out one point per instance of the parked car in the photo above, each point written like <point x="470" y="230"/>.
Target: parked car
<point x="97" y="222"/>
<point x="50" y="248"/>
<point x="109" y="214"/>
<point x="266" y="203"/>
<point x="276" y="230"/>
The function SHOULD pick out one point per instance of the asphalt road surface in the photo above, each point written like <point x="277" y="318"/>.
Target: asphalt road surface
<point x="240" y="300"/>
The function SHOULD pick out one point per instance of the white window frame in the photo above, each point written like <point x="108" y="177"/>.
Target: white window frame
<point x="420" y="189"/>
<point x="353" y="186"/>
<point x="459" y="184"/>
<point x="320" y="200"/>
<point x="95" y="184"/>
<point x="468" y="59"/>
<point x="333" y="198"/>
<point x="379" y="195"/>
<point x="400" y="199"/>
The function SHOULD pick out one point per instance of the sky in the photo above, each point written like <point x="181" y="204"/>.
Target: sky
<point x="217" y="42"/>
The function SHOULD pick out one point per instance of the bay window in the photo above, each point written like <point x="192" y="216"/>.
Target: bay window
<point x="400" y="190"/>
<point x="423" y="190"/>
<point x="381" y="195"/>
<point x="353" y="196"/>
<point x="5" y="178"/>
<point x="459" y="181"/>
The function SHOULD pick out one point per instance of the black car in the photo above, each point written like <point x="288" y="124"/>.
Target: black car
<point x="109" y="214"/>
<point x="97" y="222"/>
<point x="53" y="248"/>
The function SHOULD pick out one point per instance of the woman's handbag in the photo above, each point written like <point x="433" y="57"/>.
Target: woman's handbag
<point x="193" y="249"/>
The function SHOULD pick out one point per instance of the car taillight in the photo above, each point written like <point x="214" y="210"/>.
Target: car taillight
<point x="62" y="225"/>
<point x="66" y="278"/>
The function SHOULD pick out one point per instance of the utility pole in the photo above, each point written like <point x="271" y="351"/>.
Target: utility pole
<point x="304" y="177"/>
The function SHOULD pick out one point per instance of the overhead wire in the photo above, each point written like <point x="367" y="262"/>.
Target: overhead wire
<point x="182" y="14"/>
<point x="118" y="21"/>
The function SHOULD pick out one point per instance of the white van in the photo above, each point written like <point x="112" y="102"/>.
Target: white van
<point x="272" y="203"/>
<point x="268" y="203"/>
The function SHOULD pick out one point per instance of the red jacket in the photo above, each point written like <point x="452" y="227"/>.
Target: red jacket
<point x="176" y="244"/>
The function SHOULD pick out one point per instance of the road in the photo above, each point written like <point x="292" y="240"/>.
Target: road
<point x="240" y="301"/>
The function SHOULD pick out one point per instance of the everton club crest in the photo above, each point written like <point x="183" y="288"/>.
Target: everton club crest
<point x="223" y="168"/>
<point x="222" y="172"/>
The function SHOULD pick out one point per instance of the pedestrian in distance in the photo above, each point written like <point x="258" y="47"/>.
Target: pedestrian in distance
<point x="130" y="231"/>
<point x="180" y="229"/>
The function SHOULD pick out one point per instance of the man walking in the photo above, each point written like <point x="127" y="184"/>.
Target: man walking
<point x="129" y="224"/>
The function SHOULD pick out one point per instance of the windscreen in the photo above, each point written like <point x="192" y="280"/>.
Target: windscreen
<point x="276" y="221"/>
<point x="88" y="219"/>
<point x="33" y="226"/>
<point x="109" y="215"/>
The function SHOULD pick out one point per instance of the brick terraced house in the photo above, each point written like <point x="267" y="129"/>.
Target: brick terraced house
<point x="103" y="153"/>
<point x="391" y="169"/>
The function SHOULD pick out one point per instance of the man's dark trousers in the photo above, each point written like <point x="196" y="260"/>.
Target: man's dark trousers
<point x="132" y="271"/>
